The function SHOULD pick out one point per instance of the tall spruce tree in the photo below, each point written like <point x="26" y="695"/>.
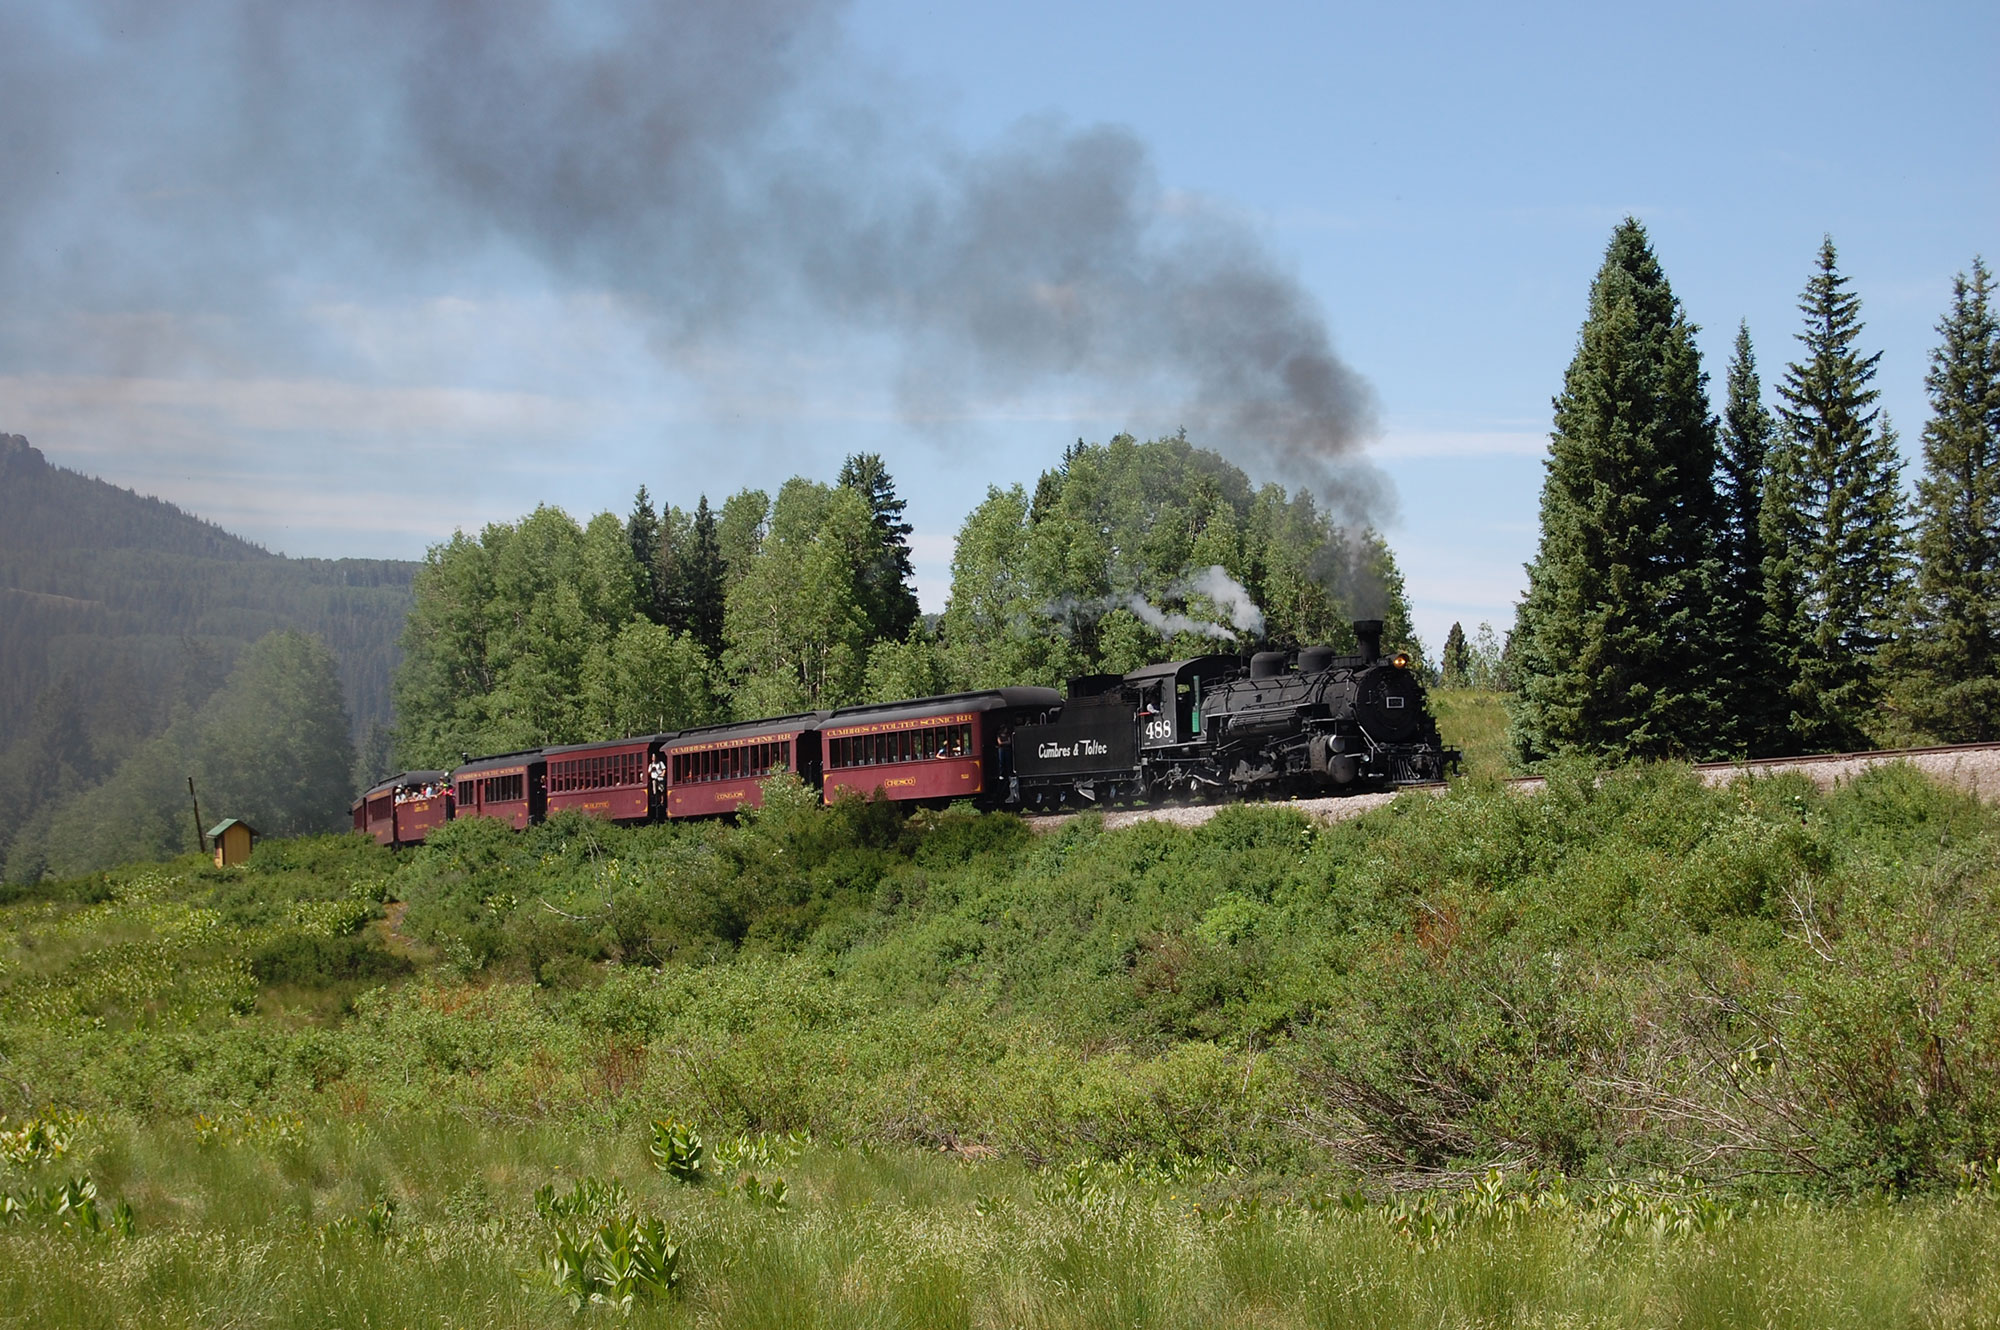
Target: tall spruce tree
<point x="642" y="533"/>
<point x="668" y="576"/>
<point x="884" y="583"/>
<point x="1455" y="666"/>
<point x="1951" y="648"/>
<point x="705" y="579"/>
<point x="1615" y="638"/>
<point x="1753" y="711"/>
<point x="1833" y="526"/>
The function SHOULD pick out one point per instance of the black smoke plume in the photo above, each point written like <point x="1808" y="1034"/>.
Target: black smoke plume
<point x="219" y="164"/>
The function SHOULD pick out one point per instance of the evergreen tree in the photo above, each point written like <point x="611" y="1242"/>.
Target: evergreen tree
<point x="52" y="761"/>
<point x="705" y="579"/>
<point x="1455" y="670"/>
<point x="374" y="755"/>
<point x="884" y="586"/>
<point x="642" y="532"/>
<point x="1616" y="638"/>
<point x="1951" y="654"/>
<point x="1833" y="526"/>
<point x="672" y="608"/>
<point x="1753" y="708"/>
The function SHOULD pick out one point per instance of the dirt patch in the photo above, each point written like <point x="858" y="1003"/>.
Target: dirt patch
<point x="394" y="939"/>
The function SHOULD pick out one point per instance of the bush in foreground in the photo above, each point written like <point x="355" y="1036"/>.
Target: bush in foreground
<point x="1762" y="985"/>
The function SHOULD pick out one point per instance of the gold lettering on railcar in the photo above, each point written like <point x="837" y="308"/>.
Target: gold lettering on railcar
<point x="742" y="742"/>
<point x="888" y="727"/>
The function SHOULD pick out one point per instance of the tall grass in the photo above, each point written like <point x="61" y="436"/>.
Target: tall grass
<point x="258" y="1228"/>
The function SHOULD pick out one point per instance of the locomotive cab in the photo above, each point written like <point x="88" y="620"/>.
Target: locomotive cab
<point x="1167" y="698"/>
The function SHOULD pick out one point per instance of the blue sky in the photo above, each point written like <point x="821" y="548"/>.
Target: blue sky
<point x="1435" y="182"/>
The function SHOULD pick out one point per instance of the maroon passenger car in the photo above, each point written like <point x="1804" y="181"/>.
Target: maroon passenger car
<point x="612" y="780"/>
<point x="717" y="769"/>
<point x="932" y="749"/>
<point x="512" y="788"/>
<point x="405" y="808"/>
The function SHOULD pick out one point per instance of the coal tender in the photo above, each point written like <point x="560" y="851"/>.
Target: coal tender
<point x="1281" y="724"/>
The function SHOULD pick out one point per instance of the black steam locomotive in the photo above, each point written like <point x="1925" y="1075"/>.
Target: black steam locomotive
<point x="1307" y="723"/>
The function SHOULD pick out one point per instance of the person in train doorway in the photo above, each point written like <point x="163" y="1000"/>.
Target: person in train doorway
<point x="656" y="784"/>
<point x="1003" y="762"/>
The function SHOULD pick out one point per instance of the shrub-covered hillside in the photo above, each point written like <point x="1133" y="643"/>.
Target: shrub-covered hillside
<point x="1758" y="983"/>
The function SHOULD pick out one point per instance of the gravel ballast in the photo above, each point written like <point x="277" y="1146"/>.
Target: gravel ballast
<point x="1974" y="768"/>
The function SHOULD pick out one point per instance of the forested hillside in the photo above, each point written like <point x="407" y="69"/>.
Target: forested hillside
<point x="121" y="620"/>
<point x="139" y="605"/>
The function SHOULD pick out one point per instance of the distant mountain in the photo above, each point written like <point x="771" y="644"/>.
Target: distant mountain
<point x="115" y="608"/>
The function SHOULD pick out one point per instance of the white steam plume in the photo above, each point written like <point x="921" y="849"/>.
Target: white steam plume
<point x="1214" y="582"/>
<point x="1229" y="596"/>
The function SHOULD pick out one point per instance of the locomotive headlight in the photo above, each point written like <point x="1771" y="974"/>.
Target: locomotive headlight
<point x="1401" y="660"/>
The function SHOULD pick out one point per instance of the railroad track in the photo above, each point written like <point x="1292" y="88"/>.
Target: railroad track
<point x="1974" y="768"/>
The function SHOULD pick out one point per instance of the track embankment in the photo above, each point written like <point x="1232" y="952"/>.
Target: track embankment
<point x="1974" y="768"/>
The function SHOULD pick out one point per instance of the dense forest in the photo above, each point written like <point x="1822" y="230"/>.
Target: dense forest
<point x="549" y="631"/>
<point x="121" y="616"/>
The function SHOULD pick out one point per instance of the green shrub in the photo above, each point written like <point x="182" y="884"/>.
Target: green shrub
<point x="312" y="960"/>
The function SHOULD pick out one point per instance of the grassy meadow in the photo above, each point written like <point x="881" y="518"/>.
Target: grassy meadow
<point x="1628" y="1052"/>
<point x="1474" y="721"/>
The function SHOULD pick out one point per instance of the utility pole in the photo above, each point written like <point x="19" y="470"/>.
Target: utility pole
<point x="200" y="839"/>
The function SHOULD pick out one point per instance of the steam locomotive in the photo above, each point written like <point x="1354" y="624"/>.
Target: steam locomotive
<point x="1214" y="727"/>
<point x="1210" y="728"/>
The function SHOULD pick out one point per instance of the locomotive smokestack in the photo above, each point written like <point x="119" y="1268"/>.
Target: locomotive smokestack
<point x="1369" y="633"/>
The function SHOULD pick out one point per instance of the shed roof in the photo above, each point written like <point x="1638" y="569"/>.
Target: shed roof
<point x="227" y="823"/>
